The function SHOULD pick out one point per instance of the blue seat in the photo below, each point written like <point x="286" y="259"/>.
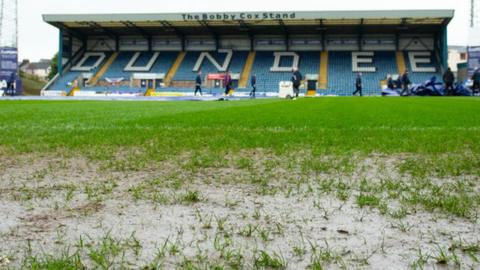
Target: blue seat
<point x="63" y="82"/>
<point x="268" y="81"/>
<point x="341" y="78"/>
<point x="421" y="77"/>
<point x="162" y="64"/>
<point x="186" y="73"/>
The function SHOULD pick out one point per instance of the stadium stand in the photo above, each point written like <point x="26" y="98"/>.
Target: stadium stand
<point x="270" y="48"/>
<point x="340" y="78"/>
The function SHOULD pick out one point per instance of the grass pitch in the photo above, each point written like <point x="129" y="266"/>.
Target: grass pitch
<point x="263" y="184"/>
<point x="329" y="125"/>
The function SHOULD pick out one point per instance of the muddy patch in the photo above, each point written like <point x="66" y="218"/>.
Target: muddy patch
<point x="249" y="210"/>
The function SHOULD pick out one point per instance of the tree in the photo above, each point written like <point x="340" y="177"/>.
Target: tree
<point x="53" y="67"/>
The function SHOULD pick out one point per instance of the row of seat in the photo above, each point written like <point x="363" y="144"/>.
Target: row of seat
<point x="268" y="81"/>
<point x="162" y="64"/>
<point x="340" y="76"/>
<point x="64" y="82"/>
<point x="341" y="79"/>
<point x="186" y="72"/>
<point x="421" y="77"/>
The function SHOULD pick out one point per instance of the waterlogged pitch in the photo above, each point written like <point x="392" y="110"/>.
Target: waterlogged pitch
<point x="327" y="183"/>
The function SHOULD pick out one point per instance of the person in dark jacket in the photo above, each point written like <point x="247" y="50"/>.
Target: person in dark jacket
<point x="297" y="81"/>
<point x="476" y="81"/>
<point x="390" y="83"/>
<point x="405" y="83"/>
<point x="227" y="82"/>
<point x="198" y="83"/>
<point x="449" y="79"/>
<point x="398" y="82"/>
<point x="11" y="84"/>
<point x="253" y="83"/>
<point x="358" y="85"/>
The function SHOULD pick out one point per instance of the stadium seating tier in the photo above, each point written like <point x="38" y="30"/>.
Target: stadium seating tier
<point x="340" y="79"/>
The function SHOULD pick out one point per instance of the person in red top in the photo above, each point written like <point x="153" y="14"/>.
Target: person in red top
<point x="227" y="82"/>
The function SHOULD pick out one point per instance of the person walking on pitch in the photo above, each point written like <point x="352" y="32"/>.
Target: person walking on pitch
<point x="253" y="82"/>
<point x="227" y="82"/>
<point x="448" y="79"/>
<point x="198" y="83"/>
<point x="476" y="81"/>
<point x="390" y="83"/>
<point x="297" y="81"/>
<point x="358" y="85"/>
<point x="405" y="84"/>
<point x="11" y="84"/>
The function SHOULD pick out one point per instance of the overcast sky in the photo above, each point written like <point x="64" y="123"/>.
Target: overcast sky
<point x="40" y="40"/>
